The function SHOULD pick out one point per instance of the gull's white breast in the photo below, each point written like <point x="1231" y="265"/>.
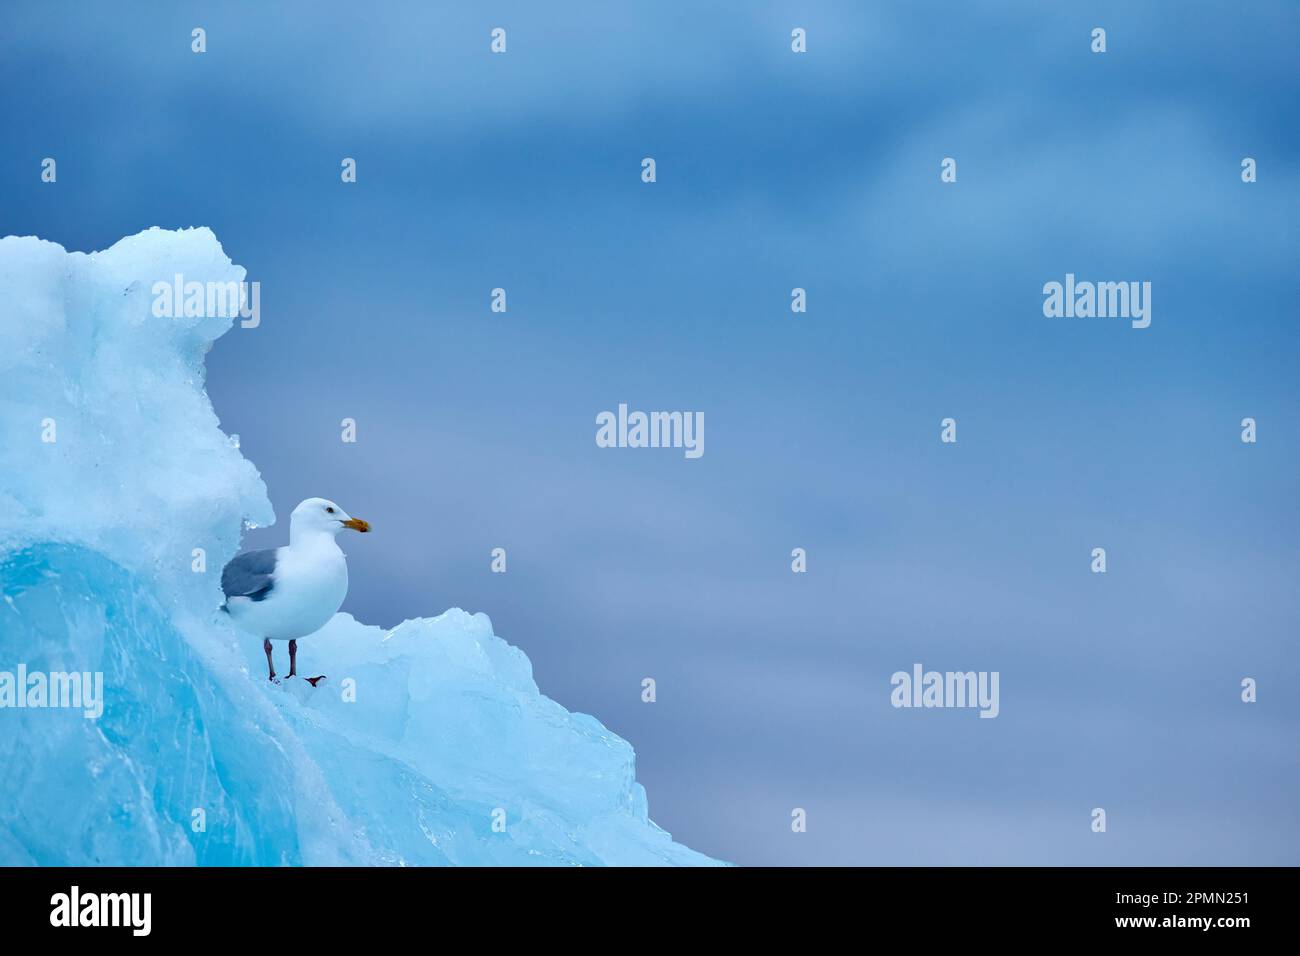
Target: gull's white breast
<point x="310" y="584"/>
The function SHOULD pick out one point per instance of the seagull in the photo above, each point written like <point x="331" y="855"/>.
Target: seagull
<point x="282" y="594"/>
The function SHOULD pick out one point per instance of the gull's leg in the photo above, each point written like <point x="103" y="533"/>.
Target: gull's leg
<point x="270" y="666"/>
<point x="293" y="658"/>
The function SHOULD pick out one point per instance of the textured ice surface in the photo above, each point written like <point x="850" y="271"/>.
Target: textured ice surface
<point x="419" y="739"/>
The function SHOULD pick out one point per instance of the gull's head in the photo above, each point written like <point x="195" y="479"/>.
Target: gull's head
<point x="322" y="515"/>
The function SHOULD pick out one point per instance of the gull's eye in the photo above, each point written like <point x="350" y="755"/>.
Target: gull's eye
<point x="330" y="510"/>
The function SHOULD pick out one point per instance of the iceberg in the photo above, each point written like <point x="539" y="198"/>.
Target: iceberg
<point x="121" y="499"/>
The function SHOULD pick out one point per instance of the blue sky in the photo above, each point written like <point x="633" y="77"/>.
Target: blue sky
<point x="924" y="301"/>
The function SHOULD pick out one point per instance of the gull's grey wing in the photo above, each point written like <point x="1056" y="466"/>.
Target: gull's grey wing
<point x="250" y="575"/>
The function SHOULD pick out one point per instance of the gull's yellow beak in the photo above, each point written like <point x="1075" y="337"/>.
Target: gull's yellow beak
<point x="356" y="524"/>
